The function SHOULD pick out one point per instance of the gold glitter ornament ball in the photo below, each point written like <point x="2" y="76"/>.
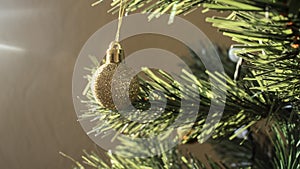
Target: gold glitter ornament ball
<point x="110" y="77"/>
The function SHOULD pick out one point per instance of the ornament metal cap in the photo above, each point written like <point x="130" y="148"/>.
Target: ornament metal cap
<point x="115" y="53"/>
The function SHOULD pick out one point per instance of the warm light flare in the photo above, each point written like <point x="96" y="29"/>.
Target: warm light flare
<point x="10" y="48"/>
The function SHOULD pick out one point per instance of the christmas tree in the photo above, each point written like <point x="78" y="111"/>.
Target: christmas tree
<point x="260" y="123"/>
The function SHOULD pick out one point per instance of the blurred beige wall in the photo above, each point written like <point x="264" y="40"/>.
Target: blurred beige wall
<point x="39" y="43"/>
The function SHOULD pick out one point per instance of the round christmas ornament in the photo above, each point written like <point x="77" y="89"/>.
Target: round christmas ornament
<point x="109" y="78"/>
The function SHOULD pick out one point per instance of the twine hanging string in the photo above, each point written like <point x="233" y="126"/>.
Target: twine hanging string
<point x="122" y="7"/>
<point x="120" y="19"/>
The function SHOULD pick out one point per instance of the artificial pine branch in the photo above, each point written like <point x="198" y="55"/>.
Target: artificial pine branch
<point x="269" y="48"/>
<point x="251" y="107"/>
<point x="268" y="31"/>
<point x="171" y="159"/>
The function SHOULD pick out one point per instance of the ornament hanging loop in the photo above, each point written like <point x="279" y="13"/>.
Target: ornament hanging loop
<point x="115" y="53"/>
